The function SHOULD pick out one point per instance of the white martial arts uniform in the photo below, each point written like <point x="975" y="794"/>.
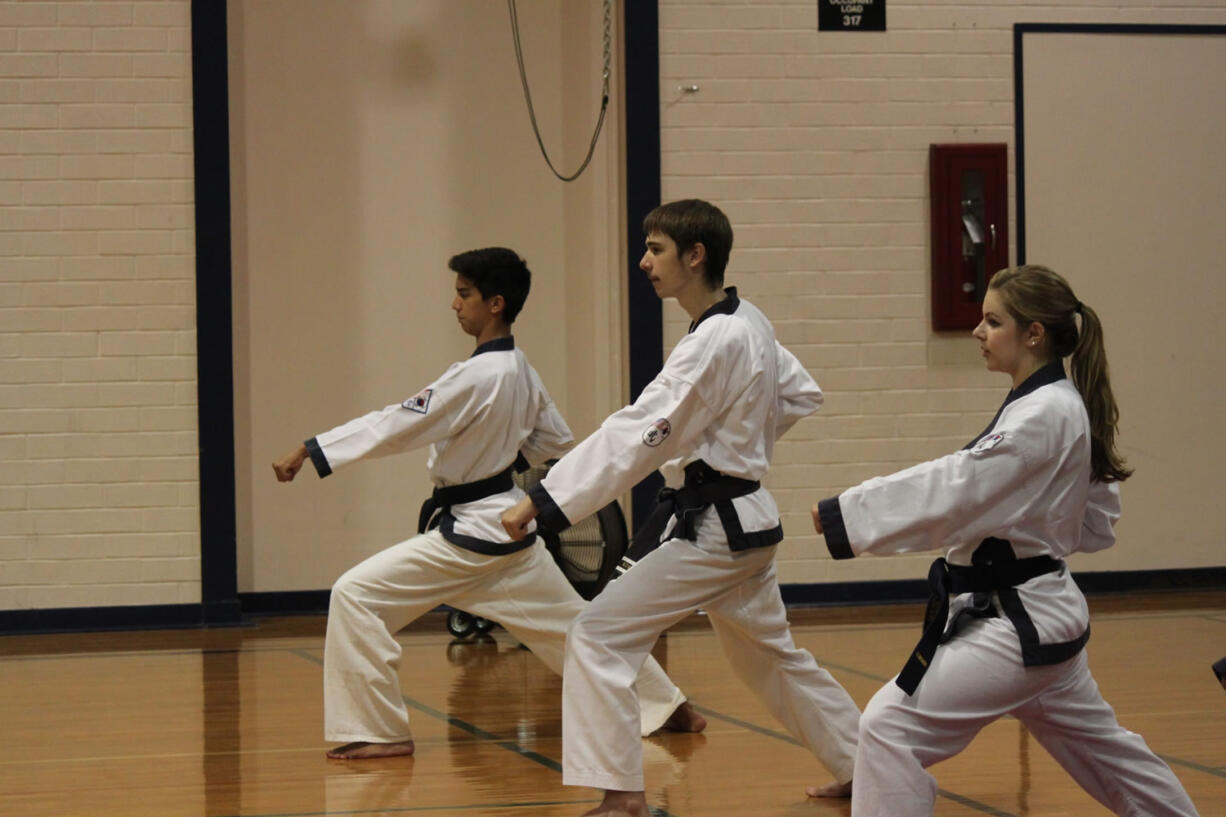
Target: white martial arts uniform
<point x="726" y="393"/>
<point x="1021" y="490"/>
<point x="476" y="418"/>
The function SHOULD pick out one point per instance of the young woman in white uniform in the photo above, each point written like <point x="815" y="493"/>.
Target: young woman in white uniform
<point x="709" y="422"/>
<point x="1006" y="623"/>
<point x="478" y="418"/>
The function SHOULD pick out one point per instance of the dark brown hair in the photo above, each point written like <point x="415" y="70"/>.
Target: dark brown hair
<point x="694" y="221"/>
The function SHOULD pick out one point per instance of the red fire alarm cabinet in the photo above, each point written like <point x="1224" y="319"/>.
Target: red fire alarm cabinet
<point x="970" y="229"/>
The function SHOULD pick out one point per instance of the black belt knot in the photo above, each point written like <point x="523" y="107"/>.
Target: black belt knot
<point x="442" y="498"/>
<point x="993" y="567"/>
<point x="704" y="486"/>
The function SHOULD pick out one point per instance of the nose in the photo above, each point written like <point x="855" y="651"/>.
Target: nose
<point x="645" y="262"/>
<point x="979" y="333"/>
<point x="456" y="303"/>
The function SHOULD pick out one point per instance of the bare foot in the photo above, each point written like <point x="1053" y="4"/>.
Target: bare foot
<point x="685" y="718"/>
<point x="621" y="804"/>
<point x="830" y="790"/>
<point x="360" y="750"/>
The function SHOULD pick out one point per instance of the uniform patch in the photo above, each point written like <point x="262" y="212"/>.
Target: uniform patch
<point x="657" y="432"/>
<point x="987" y="443"/>
<point x="419" y="402"/>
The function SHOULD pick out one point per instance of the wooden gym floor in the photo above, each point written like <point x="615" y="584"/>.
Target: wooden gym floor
<point x="228" y="722"/>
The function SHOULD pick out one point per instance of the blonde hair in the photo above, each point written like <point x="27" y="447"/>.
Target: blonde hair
<point x="1035" y="294"/>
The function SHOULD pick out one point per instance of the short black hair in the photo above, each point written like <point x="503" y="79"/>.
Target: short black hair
<point x="694" y="221"/>
<point x="496" y="271"/>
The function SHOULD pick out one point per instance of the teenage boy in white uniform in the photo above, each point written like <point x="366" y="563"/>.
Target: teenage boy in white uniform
<point x="709" y="422"/>
<point x="478" y="418"/>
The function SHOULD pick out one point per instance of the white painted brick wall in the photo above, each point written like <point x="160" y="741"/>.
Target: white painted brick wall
<point x="816" y="145"/>
<point x="99" y="496"/>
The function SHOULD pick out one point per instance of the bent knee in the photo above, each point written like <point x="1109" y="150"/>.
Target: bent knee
<point x="594" y="631"/>
<point x="582" y="630"/>
<point x="345" y="592"/>
<point x="883" y="721"/>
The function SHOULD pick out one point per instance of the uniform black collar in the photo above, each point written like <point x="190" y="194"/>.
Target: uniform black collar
<point x="1045" y="375"/>
<point x="503" y="344"/>
<point x="725" y="307"/>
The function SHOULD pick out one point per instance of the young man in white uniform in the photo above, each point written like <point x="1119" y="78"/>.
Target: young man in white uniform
<point x="1006" y="509"/>
<point x="708" y="422"/>
<point x="478" y="418"/>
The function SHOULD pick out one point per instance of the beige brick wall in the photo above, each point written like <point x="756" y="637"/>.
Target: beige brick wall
<point x="816" y="145"/>
<point x="98" y="477"/>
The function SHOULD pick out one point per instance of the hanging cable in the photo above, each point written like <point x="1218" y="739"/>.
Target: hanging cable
<point x="604" y="98"/>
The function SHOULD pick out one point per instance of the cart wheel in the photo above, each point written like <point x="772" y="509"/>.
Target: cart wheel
<point x="483" y="625"/>
<point x="461" y="624"/>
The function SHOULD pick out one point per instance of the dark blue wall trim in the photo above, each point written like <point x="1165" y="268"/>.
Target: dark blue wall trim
<point x="214" y="346"/>
<point x="838" y="594"/>
<point x="646" y="321"/>
<point x="87" y="619"/>
<point x="1019" y="141"/>
<point x="286" y="603"/>
<point x="1141" y="581"/>
<point x="315" y="602"/>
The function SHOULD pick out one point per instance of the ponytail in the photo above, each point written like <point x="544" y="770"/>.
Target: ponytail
<point x="1036" y="294"/>
<point x="1088" y="367"/>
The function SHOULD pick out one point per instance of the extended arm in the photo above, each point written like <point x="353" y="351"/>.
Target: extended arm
<point x="631" y="443"/>
<point x="959" y="497"/>
<point x="427" y="417"/>
<point x="664" y="423"/>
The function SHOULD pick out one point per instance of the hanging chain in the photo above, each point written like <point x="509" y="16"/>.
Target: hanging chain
<point x="604" y="97"/>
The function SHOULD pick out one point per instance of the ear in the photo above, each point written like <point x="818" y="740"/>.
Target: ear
<point x="1035" y="335"/>
<point x="496" y="304"/>
<point x="696" y="255"/>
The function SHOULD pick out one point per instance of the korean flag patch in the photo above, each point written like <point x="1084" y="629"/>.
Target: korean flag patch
<point x="987" y="443"/>
<point x="419" y="402"/>
<point x="657" y="432"/>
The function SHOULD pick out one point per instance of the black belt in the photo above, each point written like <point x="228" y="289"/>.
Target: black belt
<point x="704" y="487"/>
<point x="443" y="498"/>
<point x="994" y="568"/>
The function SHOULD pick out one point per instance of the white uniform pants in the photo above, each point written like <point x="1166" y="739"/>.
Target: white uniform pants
<point x="525" y="592"/>
<point x="740" y="592"/>
<point x="977" y="678"/>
